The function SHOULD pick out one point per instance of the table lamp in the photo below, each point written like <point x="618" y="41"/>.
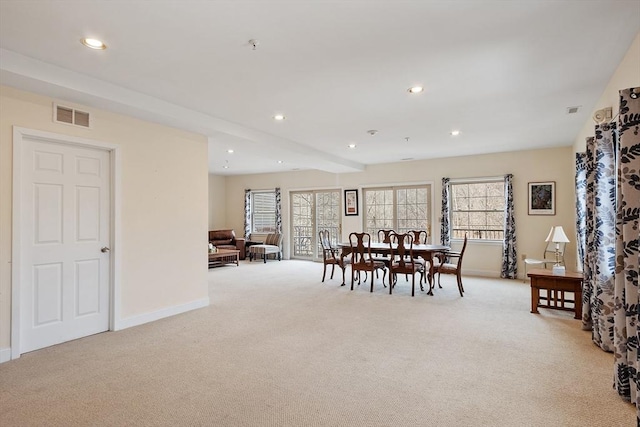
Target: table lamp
<point x="557" y="236"/>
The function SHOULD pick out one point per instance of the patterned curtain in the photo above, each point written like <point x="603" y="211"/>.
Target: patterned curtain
<point x="247" y="213"/>
<point x="278" y="211"/>
<point x="445" y="236"/>
<point x="627" y="303"/>
<point x="509" y="253"/>
<point x="600" y="256"/>
<point x="581" y="207"/>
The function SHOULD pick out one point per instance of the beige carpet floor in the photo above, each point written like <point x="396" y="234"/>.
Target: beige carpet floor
<point x="279" y="348"/>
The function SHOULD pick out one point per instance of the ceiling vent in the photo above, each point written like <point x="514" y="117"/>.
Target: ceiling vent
<point x="573" y="110"/>
<point x="71" y="116"/>
<point x="602" y="116"/>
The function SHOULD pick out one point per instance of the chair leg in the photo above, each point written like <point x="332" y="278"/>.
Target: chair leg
<point x="353" y="277"/>
<point x="324" y="272"/>
<point x="372" y="279"/>
<point x="333" y="267"/>
<point x="460" y="288"/>
<point x="390" y="282"/>
<point x="413" y="284"/>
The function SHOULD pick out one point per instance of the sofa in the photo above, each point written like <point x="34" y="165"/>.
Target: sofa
<point x="226" y="239"/>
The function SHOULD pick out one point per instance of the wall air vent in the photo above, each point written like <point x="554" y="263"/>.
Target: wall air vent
<point x="71" y="116"/>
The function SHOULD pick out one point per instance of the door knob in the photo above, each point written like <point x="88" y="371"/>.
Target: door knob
<point x="104" y="250"/>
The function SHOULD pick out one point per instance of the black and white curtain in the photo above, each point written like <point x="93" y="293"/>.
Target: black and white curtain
<point x="509" y="253"/>
<point x="581" y="205"/>
<point x="600" y="219"/>
<point x="608" y="186"/>
<point x="445" y="236"/>
<point x="626" y="304"/>
<point x="247" y="213"/>
<point x="278" y="211"/>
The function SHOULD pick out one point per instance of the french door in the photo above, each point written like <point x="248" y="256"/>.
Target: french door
<point x="312" y="211"/>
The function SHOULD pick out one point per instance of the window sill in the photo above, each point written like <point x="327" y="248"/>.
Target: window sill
<point x="478" y="242"/>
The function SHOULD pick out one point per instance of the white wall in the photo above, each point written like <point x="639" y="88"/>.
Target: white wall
<point x="218" y="203"/>
<point x="527" y="166"/>
<point x="626" y="75"/>
<point x="164" y="207"/>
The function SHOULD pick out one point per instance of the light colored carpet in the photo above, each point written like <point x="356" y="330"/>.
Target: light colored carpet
<point x="279" y="348"/>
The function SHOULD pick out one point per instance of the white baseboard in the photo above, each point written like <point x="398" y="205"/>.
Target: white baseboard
<point x="481" y="273"/>
<point x="5" y="354"/>
<point x="141" y="319"/>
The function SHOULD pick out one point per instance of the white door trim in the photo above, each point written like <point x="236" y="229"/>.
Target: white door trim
<point x="19" y="134"/>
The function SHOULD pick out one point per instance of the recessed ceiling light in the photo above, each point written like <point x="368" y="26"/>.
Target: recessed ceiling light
<point x="93" y="44"/>
<point x="352" y="146"/>
<point x="230" y="151"/>
<point x="372" y="132"/>
<point x="278" y="117"/>
<point x="415" y="89"/>
<point x="280" y="161"/>
<point x="225" y="167"/>
<point x="455" y="132"/>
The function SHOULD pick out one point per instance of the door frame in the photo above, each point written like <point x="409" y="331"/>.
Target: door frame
<point x="115" y="165"/>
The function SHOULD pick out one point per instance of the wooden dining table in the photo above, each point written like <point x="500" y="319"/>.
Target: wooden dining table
<point x="424" y="251"/>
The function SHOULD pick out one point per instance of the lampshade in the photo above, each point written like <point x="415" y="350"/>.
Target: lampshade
<point x="556" y="235"/>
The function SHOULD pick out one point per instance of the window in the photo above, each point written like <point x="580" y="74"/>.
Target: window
<point x="263" y="212"/>
<point x="477" y="209"/>
<point x="398" y="208"/>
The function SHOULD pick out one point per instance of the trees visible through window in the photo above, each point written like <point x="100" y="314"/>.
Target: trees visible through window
<point x="397" y="208"/>
<point x="263" y="212"/>
<point x="477" y="209"/>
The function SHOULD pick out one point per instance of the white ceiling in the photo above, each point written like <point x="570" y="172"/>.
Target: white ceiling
<point x="503" y="73"/>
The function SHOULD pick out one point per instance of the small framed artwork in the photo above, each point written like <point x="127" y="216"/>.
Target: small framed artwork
<point x="351" y="202"/>
<point x="542" y="198"/>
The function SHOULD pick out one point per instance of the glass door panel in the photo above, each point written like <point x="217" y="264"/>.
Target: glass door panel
<point x="312" y="211"/>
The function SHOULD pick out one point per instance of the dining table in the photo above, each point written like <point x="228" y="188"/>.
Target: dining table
<point x="425" y="251"/>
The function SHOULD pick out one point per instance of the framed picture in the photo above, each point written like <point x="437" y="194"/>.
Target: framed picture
<point x="542" y="198"/>
<point x="351" y="202"/>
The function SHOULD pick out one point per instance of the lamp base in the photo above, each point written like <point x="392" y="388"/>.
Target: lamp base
<point x="558" y="270"/>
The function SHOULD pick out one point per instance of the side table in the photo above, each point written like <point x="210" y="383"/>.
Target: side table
<point x="556" y="286"/>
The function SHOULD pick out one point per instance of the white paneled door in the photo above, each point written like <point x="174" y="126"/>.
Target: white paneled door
<point x="64" y="240"/>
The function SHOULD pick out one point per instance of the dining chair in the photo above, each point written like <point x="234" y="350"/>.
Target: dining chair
<point x="452" y="264"/>
<point x="403" y="261"/>
<point x="419" y="236"/>
<point x="361" y="259"/>
<point x="331" y="256"/>
<point x="384" y="236"/>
